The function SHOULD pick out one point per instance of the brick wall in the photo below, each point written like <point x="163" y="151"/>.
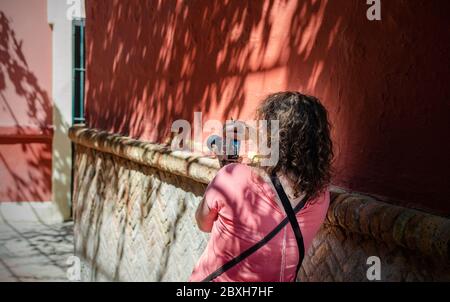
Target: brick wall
<point x="134" y="206"/>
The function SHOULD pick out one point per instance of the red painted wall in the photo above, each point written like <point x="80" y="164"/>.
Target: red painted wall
<point x="385" y="83"/>
<point x="25" y="104"/>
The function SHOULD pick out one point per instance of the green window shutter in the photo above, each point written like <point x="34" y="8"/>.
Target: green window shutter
<point x="78" y="71"/>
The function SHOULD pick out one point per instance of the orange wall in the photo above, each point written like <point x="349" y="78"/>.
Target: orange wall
<point x="25" y="103"/>
<point x="385" y="83"/>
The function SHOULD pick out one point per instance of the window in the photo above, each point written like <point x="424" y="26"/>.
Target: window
<point x="78" y="71"/>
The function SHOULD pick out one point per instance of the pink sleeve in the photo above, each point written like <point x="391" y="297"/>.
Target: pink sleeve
<point x="214" y="194"/>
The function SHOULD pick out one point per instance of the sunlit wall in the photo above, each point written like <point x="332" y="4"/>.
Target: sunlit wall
<point x="25" y="102"/>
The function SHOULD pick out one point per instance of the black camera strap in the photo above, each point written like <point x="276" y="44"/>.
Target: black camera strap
<point x="290" y="212"/>
<point x="293" y="221"/>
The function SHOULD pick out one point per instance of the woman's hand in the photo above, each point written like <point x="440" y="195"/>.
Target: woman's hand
<point x="232" y="131"/>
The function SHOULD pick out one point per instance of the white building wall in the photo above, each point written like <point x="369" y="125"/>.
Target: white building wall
<point x="60" y="14"/>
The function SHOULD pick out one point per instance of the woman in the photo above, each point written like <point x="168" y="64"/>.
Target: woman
<point x="241" y="205"/>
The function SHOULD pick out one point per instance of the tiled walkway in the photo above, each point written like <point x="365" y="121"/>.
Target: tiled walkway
<point x="34" y="251"/>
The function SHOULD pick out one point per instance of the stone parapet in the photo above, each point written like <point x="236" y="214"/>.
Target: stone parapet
<point x="198" y="168"/>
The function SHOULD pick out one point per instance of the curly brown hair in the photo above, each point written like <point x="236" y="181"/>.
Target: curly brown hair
<point x="305" y="146"/>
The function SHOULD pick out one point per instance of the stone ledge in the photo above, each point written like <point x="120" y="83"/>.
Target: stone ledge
<point x="421" y="232"/>
<point x="418" y="231"/>
<point x="198" y="168"/>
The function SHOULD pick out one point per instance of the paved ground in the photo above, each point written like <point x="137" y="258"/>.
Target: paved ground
<point x="34" y="251"/>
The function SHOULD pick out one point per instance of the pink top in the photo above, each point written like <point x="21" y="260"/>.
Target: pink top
<point x="247" y="210"/>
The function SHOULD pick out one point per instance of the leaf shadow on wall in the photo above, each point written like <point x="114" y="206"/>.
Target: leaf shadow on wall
<point x="157" y="62"/>
<point x="26" y="150"/>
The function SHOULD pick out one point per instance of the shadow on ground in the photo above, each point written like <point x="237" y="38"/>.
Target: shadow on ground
<point x="33" y="251"/>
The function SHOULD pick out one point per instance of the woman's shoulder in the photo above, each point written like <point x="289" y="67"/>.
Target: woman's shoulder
<point x="236" y="173"/>
<point x="235" y="169"/>
<point x="321" y="199"/>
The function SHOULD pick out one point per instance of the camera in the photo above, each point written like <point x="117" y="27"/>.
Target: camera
<point x="228" y="153"/>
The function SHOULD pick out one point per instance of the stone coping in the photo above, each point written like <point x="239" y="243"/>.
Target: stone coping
<point x="199" y="168"/>
<point x="423" y="233"/>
